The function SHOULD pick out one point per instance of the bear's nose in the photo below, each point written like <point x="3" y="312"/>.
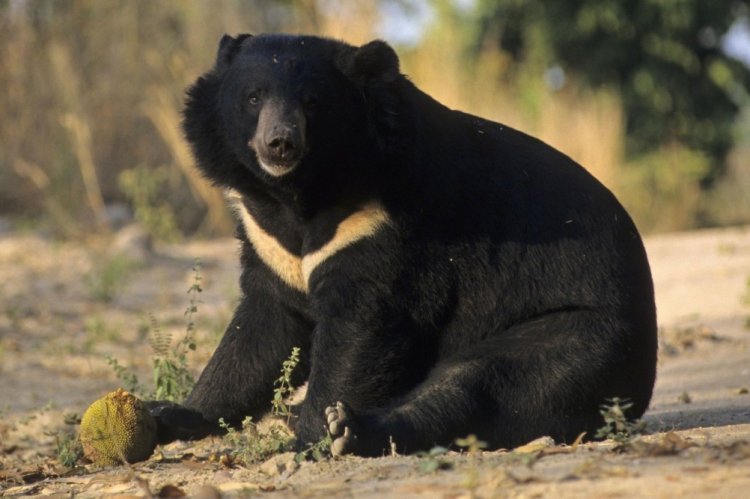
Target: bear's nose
<point x="281" y="145"/>
<point x="280" y="135"/>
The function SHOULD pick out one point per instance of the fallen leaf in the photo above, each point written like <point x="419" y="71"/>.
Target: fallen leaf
<point x="535" y="445"/>
<point x="578" y="440"/>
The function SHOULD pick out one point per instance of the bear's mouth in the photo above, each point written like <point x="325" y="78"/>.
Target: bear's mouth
<point x="277" y="168"/>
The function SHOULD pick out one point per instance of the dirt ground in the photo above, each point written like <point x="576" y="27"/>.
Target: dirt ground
<point x="64" y="307"/>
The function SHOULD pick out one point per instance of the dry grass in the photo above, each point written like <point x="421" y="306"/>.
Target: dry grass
<point x="164" y="116"/>
<point x="587" y="126"/>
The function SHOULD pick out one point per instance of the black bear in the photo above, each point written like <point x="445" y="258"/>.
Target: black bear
<point x="444" y="275"/>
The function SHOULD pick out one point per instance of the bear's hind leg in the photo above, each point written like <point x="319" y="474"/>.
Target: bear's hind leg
<point x="546" y="376"/>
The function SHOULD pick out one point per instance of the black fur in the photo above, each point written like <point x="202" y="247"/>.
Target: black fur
<point x="507" y="296"/>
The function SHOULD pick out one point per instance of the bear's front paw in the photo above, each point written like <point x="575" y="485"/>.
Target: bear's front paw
<point x="342" y="428"/>
<point x="176" y="422"/>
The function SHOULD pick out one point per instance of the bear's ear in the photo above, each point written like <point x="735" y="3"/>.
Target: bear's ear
<point x="228" y="48"/>
<point x="373" y="61"/>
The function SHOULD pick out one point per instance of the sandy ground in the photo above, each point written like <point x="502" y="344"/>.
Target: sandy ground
<point x="57" y="327"/>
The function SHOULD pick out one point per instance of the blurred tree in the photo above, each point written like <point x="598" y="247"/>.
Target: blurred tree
<point x="663" y="56"/>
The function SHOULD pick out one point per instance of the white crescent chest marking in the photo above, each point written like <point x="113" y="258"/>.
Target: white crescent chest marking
<point x="296" y="271"/>
<point x="362" y="223"/>
<point x="285" y="264"/>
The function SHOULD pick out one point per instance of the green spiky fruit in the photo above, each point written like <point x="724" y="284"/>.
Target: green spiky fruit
<point x="117" y="428"/>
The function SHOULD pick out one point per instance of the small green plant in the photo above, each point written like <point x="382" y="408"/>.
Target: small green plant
<point x="472" y="444"/>
<point x="68" y="448"/>
<point x="144" y="186"/>
<point x="172" y="379"/>
<point x="282" y="392"/>
<point x="232" y="435"/>
<point x="128" y="379"/>
<point x="108" y="278"/>
<point x="250" y="445"/>
<point x="284" y="388"/>
<point x="170" y="374"/>
<point x="617" y="426"/>
<point x="318" y="451"/>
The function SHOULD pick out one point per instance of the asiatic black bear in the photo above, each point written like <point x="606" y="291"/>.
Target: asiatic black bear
<point x="444" y="275"/>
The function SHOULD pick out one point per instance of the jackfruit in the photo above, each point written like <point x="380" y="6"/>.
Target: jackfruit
<point x="117" y="428"/>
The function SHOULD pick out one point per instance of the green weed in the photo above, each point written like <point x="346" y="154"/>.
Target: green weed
<point x="318" y="451"/>
<point x="284" y="388"/>
<point x="472" y="444"/>
<point x="68" y="448"/>
<point x="617" y="426"/>
<point x="128" y="379"/>
<point x="171" y="377"/>
<point x="250" y="445"/>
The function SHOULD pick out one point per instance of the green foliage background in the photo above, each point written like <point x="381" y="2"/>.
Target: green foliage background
<point x="663" y="57"/>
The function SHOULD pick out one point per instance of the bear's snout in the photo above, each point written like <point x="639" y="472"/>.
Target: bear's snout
<point x="282" y="144"/>
<point x="279" y="140"/>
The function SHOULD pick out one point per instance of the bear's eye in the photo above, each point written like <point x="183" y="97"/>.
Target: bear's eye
<point x="253" y="99"/>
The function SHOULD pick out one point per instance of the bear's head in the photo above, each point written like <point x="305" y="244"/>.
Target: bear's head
<point x="280" y="107"/>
